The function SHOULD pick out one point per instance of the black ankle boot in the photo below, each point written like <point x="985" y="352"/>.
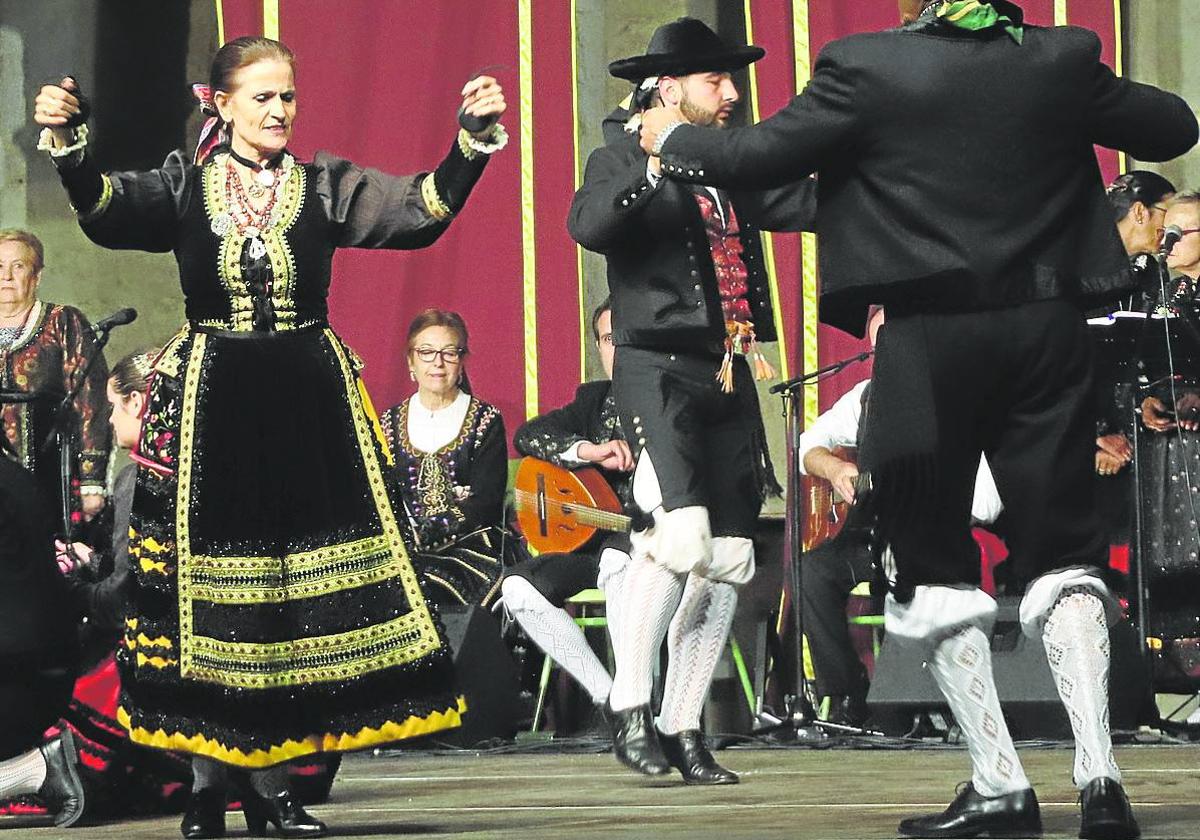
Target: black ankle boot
<point x="1106" y="812"/>
<point x="688" y="754"/>
<point x="635" y="741"/>
<point x="283" y="811"/>
<point x="205" y="814"/>
<point x="62" y="791"/>
<point x="970" y="815"/>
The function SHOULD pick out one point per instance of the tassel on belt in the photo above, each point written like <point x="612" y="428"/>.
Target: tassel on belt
<point x="740" y="339"/>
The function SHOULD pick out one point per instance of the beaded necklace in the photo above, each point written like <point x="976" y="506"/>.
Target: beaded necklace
<point x="241" y="215"/>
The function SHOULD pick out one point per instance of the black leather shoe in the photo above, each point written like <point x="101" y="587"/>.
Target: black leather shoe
<point x="62" y="791"/>
<point x="970" y="815"/>
<point x="1106" y="812"/>
<point x="635" y="741"/>
<point x="205" y="814"/>
<point x="848" y="710"/>
<point x="283" y="811"/>
<point x="688" y="754"/>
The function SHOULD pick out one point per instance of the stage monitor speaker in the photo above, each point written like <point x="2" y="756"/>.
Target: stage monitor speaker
<point x="903" y="684"/>
<point x="485" y="674"/>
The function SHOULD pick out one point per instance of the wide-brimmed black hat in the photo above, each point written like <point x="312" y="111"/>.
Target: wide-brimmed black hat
<point x="682" y="47"/>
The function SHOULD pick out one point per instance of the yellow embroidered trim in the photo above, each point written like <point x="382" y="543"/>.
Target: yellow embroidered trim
<point x="310" y="574"/>
<point x="468" y="423"/>
<point x="464" y="145"/>
<point x="183" y="495"/>
<point x="98" y="209"/>
<point x="383" y="502"/>
<point x="154" y="661"/>
<point x="151" y="546"/>
<point x="283" y="261"/>
<point x="332" y="658"/>
<point x="373" y="416"/>
<point x="279" y="252"/>
<point x="390" y="731"/>
<point x="434" y="205"/>
<point x="169" y="360"/>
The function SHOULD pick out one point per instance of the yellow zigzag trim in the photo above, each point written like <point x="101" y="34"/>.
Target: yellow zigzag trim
<point x="325" y="742"/>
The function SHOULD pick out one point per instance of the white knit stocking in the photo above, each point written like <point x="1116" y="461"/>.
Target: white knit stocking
<point x="23" y="774"/>
<point x="647" y="599"/>
<point x="962" y="666"/>
<point x="1076" y="642"/>
<point x="696" y="638"/>
<point x="270" y="782"/>
<point x="207" y="773"/>
<point x="611" y="580"/>
<point x="557" y="634"/>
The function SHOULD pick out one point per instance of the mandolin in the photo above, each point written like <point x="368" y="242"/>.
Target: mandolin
<point x="559" y="510"/>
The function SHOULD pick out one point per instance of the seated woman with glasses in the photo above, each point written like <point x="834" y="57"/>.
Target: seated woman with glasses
<point x="451" y="466"/>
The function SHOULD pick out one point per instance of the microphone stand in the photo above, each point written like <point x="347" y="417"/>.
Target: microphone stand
<point x="800" y="716"/>
<point x="63" y="434"/>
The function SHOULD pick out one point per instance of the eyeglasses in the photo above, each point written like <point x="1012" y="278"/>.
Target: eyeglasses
<point x="450" y="355"/>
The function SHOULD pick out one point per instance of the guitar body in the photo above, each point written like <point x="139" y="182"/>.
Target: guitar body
<point x="556" y="507"/>
<point x="824" y="515"/>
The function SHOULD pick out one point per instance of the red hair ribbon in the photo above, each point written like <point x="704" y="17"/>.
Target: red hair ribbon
<point x="212" y="133"/>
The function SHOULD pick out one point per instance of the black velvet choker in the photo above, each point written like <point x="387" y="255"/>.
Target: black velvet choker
<point x="257" y="167"/>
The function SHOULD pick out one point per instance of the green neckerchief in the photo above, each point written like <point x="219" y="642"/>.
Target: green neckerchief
<point x="974" y="16"/>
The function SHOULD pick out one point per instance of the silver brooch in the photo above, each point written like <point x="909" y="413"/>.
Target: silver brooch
<point x="222" y="225"/>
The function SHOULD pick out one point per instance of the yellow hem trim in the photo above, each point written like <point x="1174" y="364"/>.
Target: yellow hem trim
<point x="390" y="731"/>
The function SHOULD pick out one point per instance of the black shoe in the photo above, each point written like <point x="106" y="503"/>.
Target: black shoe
<point x="635" y="741"/>
<point x="62" y="791"/>
<point x="1106" y="812"/>
<point x="205" y="814"/>
<point x="283" y="811"/>
<point x="848" y="710"/>
<point x="970" y="815"/>
<point x="688" y="754"/>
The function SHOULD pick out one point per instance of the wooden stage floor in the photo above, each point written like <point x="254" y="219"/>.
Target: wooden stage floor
<point x="799" y="794"/>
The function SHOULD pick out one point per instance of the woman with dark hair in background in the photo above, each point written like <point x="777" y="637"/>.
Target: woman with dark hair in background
<point x="451" y="465"/>
<point x="1139" y="201"/>
<point x="275" y="614"/>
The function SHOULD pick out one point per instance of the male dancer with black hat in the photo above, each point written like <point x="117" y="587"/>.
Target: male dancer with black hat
<point x="958" y="186"/>
<point x="690" y="302"/>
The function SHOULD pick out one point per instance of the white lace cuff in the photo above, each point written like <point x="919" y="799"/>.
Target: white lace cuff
<point x="667" y="131"/>
<point x="472" y="147"/>
<point x="75" y="150"/>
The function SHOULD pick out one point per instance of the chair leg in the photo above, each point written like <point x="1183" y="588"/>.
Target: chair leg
<point x="543" y="686"/>
<point x="739" y="663"/>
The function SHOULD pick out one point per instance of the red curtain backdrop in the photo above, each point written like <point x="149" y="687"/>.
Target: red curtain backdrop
<point x="379" y="84"/>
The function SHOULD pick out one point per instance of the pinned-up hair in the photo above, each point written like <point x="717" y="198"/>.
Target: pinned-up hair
<point x="1139" y="185"/>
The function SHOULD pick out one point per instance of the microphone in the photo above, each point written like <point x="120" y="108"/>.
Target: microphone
<point x="118" y="319"/>
<point x="1171" y="235"/>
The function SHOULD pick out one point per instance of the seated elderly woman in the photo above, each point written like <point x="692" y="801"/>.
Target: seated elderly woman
<point x="451" y="466"/>
<point x="43" y="349"/>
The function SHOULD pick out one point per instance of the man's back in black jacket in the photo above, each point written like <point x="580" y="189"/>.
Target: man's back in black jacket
<point x="956" y="169"/>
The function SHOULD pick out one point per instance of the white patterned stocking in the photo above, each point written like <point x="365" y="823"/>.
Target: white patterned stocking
<point x="557" y="634"/>
<point x="1076" y="642"/>
<point x="695" y="641"/>
<point x="646" y="601"/>
<point x="962" y="666"/>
